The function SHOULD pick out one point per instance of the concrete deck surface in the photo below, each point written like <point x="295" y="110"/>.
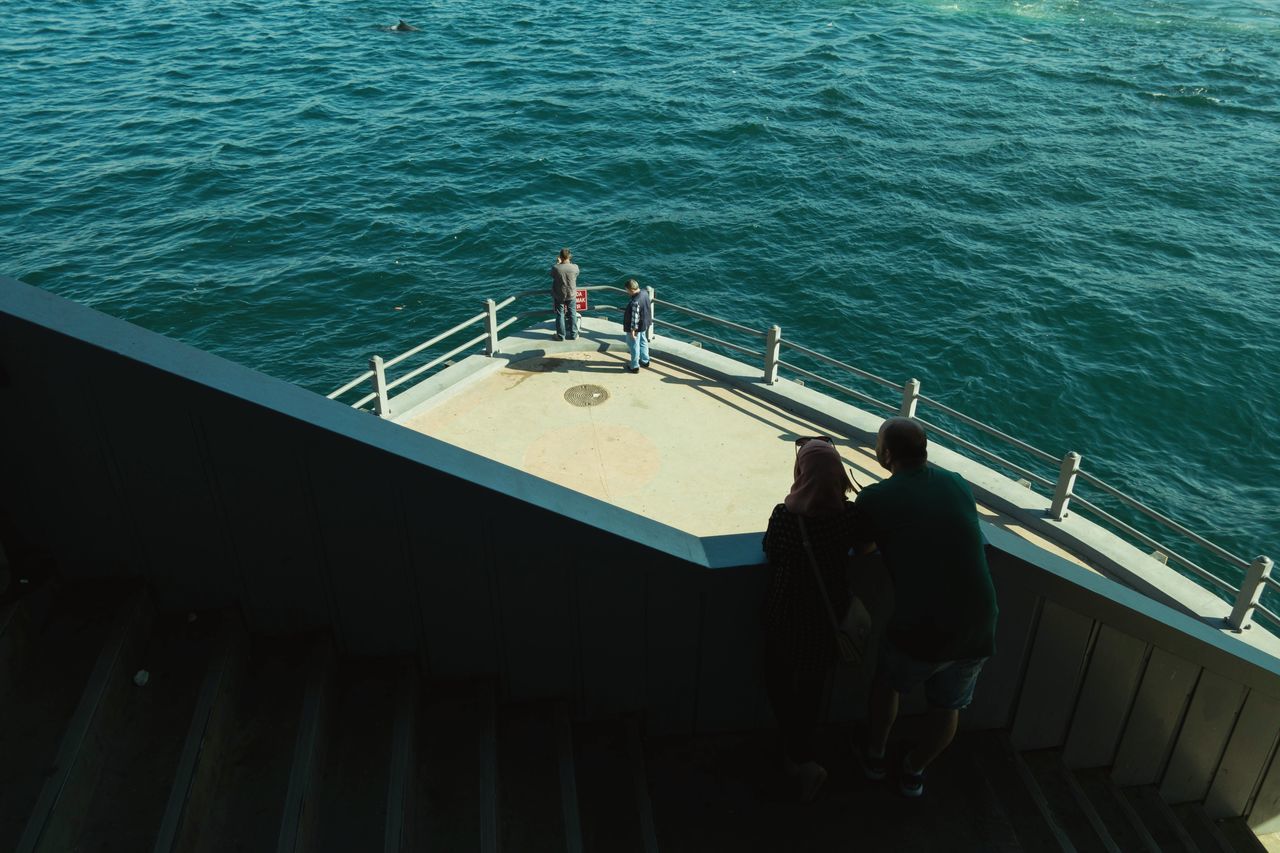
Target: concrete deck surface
<point x="688" y="451"/>
<point x="666" y="443"/>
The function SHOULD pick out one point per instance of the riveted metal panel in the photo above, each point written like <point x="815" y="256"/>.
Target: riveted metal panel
<point x="675" y="602"/>
<point x="730" y="693"/>
<point x="452" y="575"/>
<point x="1052" y="679"/>
<point x="1264" y="816"/>
<point x="1110" y="685"/>
<point x="534" y="599"/>
<point x="993" y="700"/>
<point x="1166" y="686"/>
<point x="1246" y="756"/>
<point x="610" y="607"/>
<point x="265" y="508"/>
<point x="1203" y="737"/>
<point x="364" y="545"/>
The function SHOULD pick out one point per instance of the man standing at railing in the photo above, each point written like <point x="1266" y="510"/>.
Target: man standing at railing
<point x="637" y="317"/>
<point x="942" y="630"/>
<point x="564" y="295"/>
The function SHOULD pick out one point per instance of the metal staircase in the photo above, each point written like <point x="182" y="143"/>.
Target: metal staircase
<point x="238" y="743"/>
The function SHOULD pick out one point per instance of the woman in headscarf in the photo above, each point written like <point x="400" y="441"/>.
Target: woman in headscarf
<point x="799" y="643"/>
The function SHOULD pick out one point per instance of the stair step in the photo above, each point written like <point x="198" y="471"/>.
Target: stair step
<point x="142" y="758"/>
<point x="531" y="815"/>
<point x="62" y="652"/>
<point x="211" y="728"/>
<point x="728" y="792"/>
<point x="1202" y="829"/>
<point x="20" y="619"/>
<point x="1241" y="838"/>
<point x="1158" y="818"/>
<point x="298" y="822"/>
<point x="1124" y="825"/>
<point x="401" y="834"/>
<point x="1032" y="819"/>
<point x="353" y="795"/>
<point x="607" y="788"/>
<point x="447" y="802"/>
<point x="640" y="782"/>
<point x="1072" y="810"/>
<point x="252" y="775"/>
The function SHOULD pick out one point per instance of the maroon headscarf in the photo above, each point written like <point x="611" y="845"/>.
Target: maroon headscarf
<point x="820" y="482"/>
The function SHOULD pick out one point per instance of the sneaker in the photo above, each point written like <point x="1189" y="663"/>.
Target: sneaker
<point x="557" y="337"/>
<point x="873" y="768"/>
<point x="812" y="775"/>
<point x="912" y="782"/>
<point x="644" y="364"/>
<point x="633" y="370"/>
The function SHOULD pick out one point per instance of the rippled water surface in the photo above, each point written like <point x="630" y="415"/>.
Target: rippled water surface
<point x="1063" y="217"/>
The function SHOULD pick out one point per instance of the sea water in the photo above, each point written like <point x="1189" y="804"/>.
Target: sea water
<point x="1062" y="216"/>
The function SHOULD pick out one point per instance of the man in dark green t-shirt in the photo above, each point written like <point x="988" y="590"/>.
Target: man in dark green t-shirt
<point x="923" y="520"/>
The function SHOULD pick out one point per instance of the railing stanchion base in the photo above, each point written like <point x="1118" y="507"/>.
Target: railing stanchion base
<point x="1255" y="581"/>
<point x="380" y="386"/>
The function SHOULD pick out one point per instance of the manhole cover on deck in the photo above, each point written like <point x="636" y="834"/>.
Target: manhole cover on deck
<point x="586" y="395"/>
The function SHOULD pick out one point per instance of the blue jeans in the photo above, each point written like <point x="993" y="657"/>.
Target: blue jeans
<point x="638" y="347"/>
<point x="569" y="308"/>
<point x="948" y="684"/>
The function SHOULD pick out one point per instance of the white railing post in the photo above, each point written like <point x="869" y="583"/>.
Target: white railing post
<point x="380" y="385"/>
<point x="910" y="397"/>
<point x="652" y="311"/>
<point x="1255" y="581"/>
<point x="1066" y="486"/>
<point x="772" y="349"/>
<point x="491" y="325"/>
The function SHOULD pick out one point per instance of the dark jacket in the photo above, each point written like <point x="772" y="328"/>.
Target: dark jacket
<point x="638" y="314"/>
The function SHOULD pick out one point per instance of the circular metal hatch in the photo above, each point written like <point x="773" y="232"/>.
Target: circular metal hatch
<point x="586" y="395"/>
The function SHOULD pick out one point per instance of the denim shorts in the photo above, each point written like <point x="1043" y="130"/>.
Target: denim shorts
<point x="948" y="684"/>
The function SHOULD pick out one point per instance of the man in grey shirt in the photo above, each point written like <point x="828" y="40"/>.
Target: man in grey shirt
<point x="564" y="295"/>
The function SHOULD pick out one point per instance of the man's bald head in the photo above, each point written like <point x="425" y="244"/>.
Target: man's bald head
<point x="901" y="442"/>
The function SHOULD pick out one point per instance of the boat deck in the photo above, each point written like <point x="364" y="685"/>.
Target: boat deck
<point x="669" y="443"/>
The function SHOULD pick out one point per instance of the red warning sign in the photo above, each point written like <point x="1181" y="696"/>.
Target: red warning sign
<point x="581" y="299"/>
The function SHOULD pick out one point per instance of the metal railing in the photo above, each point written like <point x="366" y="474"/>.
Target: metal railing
<point x="909" y="401"/>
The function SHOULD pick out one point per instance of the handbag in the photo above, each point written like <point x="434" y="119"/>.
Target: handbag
<point x="854" y="630"/>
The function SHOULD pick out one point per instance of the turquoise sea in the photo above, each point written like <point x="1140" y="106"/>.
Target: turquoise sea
<point x="1062" y="216"/>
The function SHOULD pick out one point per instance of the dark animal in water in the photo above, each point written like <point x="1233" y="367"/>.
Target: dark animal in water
<point x="404" y="27"/>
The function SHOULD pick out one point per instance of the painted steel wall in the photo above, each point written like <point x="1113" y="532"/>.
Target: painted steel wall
<point x="124" y="453"/>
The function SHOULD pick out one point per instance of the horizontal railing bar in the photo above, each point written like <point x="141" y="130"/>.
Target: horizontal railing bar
<point x="671" y="306"/>
<point x="358" y="403"/>
<point x="417" y="371"/>
<point x="368" y="374"/>
<point x="989" y="430"/>
<point x="857" y="371"/>
<point x="546" y="291"/>
<point x="433" y="341"/>
<point x="498" y="306"/>
<point x="1166" y="521"/>
<point x="708" y="338"/>
<point x="1272" y="582"/>
<point x="987" y="454"/>
<point x="1268" y="614"/>
<point x="822" y="380"/>
<point x="1204" y="574"/>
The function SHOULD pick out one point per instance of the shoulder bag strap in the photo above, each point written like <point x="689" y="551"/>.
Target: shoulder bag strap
<point x="817" y="574"/>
